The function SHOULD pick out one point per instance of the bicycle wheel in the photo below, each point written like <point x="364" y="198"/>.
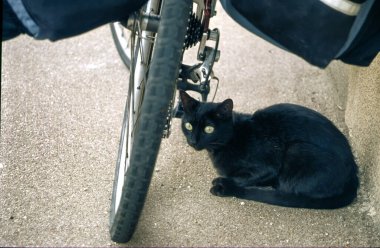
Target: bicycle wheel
<point x="149" y="98"/>
<point x="121" y="37"/>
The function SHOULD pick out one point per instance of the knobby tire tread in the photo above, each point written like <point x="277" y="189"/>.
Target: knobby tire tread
<point x="159" y="92"/>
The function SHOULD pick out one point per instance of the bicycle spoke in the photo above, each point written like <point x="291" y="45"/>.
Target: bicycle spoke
<point x="144" y="61"/>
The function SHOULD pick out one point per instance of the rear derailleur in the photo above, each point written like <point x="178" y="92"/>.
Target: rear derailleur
<point x="198" y="77"/>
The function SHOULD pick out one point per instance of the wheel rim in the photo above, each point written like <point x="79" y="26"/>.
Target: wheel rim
<point x="142" y="44"/>
<point x="125" y="150"/>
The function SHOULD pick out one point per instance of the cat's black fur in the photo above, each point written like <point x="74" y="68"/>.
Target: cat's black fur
<point x="285" y="155"/>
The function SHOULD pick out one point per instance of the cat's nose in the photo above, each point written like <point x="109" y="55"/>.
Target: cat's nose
<point x="192" y="142"/>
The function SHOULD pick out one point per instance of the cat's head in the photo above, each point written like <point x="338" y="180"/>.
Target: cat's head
<point x="206" y="125"/>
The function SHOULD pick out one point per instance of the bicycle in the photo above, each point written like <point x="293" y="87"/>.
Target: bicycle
<point x="151" y="44"/>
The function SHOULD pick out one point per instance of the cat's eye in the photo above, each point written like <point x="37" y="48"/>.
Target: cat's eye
<point x="209" y="129"/>
<point x="188" y="126"/>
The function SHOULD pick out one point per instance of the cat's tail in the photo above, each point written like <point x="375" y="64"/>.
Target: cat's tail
<point x="275" y="197"/>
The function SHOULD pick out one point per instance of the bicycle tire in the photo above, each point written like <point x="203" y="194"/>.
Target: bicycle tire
<point x="159" y="91"/>
<point x="118" y="36"/>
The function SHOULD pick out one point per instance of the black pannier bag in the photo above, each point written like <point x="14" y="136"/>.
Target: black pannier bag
<point x="319" y="31"/>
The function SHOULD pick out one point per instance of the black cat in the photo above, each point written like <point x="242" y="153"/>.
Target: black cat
<point x="285" y="155"/>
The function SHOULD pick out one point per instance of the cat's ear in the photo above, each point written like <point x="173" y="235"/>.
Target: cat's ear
<point x="189" y="104"/>
<point x="224" y="110"/>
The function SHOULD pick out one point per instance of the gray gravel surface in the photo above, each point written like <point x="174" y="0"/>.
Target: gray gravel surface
<point x="61" y="113"/>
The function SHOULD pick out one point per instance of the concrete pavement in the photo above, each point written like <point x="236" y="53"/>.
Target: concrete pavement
<point x="61" y="113"/>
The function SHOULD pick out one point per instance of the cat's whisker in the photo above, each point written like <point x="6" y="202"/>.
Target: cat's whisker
<point x="216" y="143"/>
<point x="213" y="144"/>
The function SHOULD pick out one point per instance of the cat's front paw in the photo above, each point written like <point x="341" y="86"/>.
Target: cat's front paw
<point x="219" y="181"/>
<point x="222" y="187"/>
<point x="217" y="190"/>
